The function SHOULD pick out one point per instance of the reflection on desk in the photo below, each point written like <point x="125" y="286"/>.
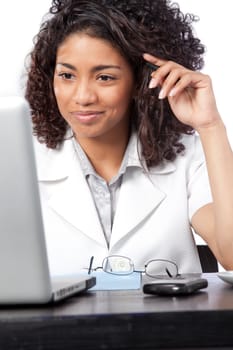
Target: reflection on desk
<point x="124" y="320"/>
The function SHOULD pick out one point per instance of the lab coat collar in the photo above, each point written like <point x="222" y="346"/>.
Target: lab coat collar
<point x="55" y="164"/>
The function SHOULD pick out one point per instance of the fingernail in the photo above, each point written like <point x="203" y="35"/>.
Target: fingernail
<point x="153" y="83"/>
<point x="172" y="92"/>
<point x="161" y="94"/>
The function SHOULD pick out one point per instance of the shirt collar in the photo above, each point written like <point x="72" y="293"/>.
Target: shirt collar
<point x="130" y="158"/>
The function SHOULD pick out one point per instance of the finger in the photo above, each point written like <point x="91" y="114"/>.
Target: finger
<point x="183" y="84"/>
<point x="153" y="59"/>
<point x="166" y="75"/>
<point x="170" y="82"/>
<point x="154" y="63"/>
<point x="189" y="81"/>
<point x="153" y="82"/>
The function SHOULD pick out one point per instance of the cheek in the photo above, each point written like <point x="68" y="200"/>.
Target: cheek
<point x="56" y="91"/>
<point x="60" y="98"/>
<point x="123" y="99"/>
<point x="60" y="91"/>
<point x="119" y="98"/>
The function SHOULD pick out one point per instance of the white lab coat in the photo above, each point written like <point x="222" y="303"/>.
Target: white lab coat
<point x="152" y="217"/>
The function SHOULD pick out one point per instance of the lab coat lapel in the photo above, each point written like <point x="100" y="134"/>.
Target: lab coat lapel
<point x="139" y="193"/>
<point x="73" y="201"/>
<point x="138" y="198"/>
<point x="69" y="194"/>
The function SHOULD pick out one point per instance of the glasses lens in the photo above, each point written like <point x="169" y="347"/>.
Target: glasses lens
<point x="161" y="269"/>
<point x="118" y="265"/>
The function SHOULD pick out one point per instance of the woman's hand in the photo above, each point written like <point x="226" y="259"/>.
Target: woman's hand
<point x="190" y="94"/>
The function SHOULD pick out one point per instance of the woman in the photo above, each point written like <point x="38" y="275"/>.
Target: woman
<point x="132" y="154"/>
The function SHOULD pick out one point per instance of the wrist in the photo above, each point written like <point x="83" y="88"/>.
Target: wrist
<point x="214" y="126"/>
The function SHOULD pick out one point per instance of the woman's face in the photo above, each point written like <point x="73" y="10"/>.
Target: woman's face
<point x="94" y="86"/>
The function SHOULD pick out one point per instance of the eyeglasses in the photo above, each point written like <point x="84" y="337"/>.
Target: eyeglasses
<point x="122" y="265"/>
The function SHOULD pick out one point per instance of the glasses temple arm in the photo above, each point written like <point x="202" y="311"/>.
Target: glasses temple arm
<point x="90" y="265"/>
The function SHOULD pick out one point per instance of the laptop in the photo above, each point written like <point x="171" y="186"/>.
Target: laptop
<point x="24" y="269"/>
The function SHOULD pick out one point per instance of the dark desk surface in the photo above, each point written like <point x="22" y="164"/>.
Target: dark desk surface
<point x="124" y="320"/>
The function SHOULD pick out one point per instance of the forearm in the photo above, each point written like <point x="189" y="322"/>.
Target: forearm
<point x="219" y="160"/>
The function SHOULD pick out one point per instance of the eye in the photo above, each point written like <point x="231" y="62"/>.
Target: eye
<point x="66" y="76"/>
<point x="105" y="77"/>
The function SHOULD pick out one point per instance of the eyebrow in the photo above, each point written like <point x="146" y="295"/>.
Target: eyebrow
<point x="94" y="69"/>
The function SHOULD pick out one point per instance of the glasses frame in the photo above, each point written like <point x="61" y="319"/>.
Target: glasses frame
<point x="169" y="274"/>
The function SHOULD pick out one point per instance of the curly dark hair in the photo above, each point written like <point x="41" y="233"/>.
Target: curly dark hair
<point x="133" y="27"/>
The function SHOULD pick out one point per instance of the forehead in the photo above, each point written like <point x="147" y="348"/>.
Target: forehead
<point x="82" y="45"/>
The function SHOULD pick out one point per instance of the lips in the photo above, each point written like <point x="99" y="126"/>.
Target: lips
<point x="86" y="116"/>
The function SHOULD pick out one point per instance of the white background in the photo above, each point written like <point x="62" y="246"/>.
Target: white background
<point x="20" y="21"/>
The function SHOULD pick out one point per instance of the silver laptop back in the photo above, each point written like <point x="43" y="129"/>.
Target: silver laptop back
<point x="24" y="272"/>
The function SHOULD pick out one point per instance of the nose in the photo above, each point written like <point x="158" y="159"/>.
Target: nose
<point x="85" y="93"/>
